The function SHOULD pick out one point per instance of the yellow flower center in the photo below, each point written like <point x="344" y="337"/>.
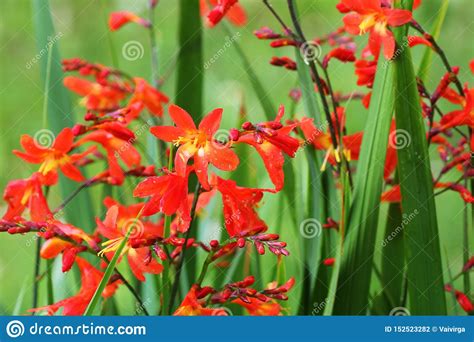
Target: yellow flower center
<point x="379" y="22"/>
<point x="195" y="138"/>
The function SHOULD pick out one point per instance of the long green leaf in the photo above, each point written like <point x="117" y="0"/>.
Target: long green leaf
<point x="262" y="95"/>
<point x="59" y="109"/>
<point x="393" y="260"/>
<point x="422" y="245"/>
<point x="91" y="307"/>
<point x="423" y="70"/>
<point x="189" y="92"/>
<point x="356" y="265"/>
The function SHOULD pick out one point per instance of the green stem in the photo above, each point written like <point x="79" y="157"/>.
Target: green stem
<point x="36" y="273"/>
<point x="179" y="269"/>
<point x="109" y="37"/>
<point x="154" y="49"/>
<point x="165" y="280"/>
<point x="205" y="267"/>
<point x="108" y="272"/>
<point x="257" y="85"/>
<point x="46" y="87"/>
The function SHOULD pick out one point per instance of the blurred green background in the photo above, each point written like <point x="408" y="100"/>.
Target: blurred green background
<point x="84" y="34"/>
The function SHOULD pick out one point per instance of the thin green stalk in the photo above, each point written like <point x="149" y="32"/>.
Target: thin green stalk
<point x="108" y="272"/>
<point x="49" y="279"/>
<point x="179" y="269"/>
<point x="110" y="41"/>
<point x="257" y="85"/>
<point x="466" y="254"/>
<point x="165" y="280"/>
<point x="205" y="266"/>
<point x="36" y="273"/>
<point x="154" y="49"/>
<point x="46" y="88"/>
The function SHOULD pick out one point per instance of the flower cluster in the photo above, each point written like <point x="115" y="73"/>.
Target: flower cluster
<point x="152" y="204"/>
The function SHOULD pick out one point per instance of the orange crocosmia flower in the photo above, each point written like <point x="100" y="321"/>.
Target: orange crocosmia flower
<point x="120" y="18"/>
<point x="53" y="157"/>
<point x="256" y="307"/>
<point x="169" y="195"/>
<point x="239" y="204"/>
<point x="271" y="139"/>
<point x="461" y="298"/>
<point x="76" y="305"/>
<point x="118" y="221"/>
<point x="370" y="16"/>
<point x="192" y="306"/>
<point x="97" y="97"/>
<point x="54" y="246"/>
<point x="463" y="117"/>
<point x="115" y="148"/>
<point x="197" y="143"/>
<point x="394" y="194"/>
<point x="322" y="141"/>
<point x="181" y="223"/>
<point x="26" y="193"/>
<point x="230" y="9"/>
<point x="145" y="96"/>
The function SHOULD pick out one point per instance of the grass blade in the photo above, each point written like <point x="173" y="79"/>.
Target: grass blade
<point x="58" y="107"/>
<point x="257" y="85"/>
<point x="189" y="91"/>
<point x="424" y="68"/>
<point x="422" y="244"/>
<point x="356" y="265"/>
